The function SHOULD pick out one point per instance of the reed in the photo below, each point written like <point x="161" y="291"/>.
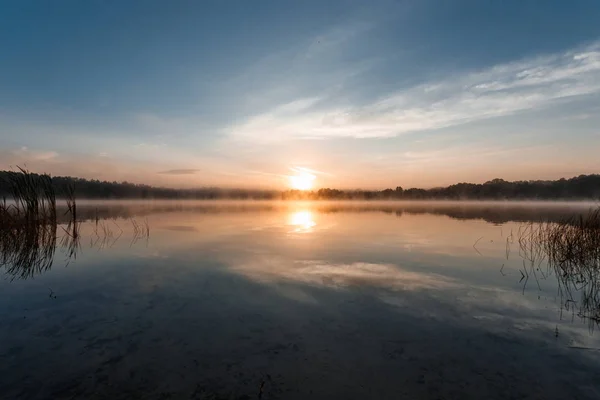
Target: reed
<point x="28" y="223"/>
<point x="141" y="231"/>
<point x="571" y="249"/>
<point x="69" y="192"/>
<point x="33" y="198"/>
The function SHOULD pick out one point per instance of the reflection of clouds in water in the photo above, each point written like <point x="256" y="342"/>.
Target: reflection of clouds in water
<point x="295" y="293"/>
<point x="444" y="298"/>
<point x="385" y="276"/>
<point x="504" y="310"/>
<point x="502" y="298"/>
<point x="153" y="255"/>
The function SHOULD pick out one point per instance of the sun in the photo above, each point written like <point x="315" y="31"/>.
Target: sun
<point x="302" y="180"/>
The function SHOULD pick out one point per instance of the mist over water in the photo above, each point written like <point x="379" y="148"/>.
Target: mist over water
<point x="296" y="300"/>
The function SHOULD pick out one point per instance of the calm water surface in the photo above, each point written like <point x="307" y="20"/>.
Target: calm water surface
<point x="296" y="301"/>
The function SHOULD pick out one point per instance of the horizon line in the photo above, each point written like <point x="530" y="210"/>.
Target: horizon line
<point x="298" y="190"/>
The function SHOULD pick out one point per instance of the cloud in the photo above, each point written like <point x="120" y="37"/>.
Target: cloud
<point x="149" y="146"/>
<point x="310" y="170"/>
<point x="499" y="91"/>
<point x="24" y="154"/>
<point x="334" y="38"/>
<point x="187" y="171"/>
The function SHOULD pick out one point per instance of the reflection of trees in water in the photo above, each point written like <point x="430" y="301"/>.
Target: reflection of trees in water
<point x="495" y="213"/>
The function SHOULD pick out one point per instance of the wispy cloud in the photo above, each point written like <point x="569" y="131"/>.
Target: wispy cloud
<point x="25" y="154"/>
<point x="186" y="171"/>
<point x="149" y="146"/>
<point x="334" y="38"/>
<point x="503" y="90"/>
<point x="310" y="170"/>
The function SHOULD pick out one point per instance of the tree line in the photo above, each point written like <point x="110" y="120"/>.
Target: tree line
<point x="583" y="187"/>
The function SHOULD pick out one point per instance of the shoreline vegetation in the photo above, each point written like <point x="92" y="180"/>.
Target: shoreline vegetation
<point x="571" y="250"/>
<point x="583" y="187"/>
<point x="29" y="222"/>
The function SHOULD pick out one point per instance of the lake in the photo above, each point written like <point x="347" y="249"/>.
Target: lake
<point x="320" y="300"/>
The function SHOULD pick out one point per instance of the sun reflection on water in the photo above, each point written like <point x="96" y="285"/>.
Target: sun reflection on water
<point x="302" y="221"/>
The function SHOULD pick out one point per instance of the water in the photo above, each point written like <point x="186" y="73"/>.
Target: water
<point x="295" y="301"/>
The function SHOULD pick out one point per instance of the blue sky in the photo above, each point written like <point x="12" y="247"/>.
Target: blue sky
<point x="239" y="93"/>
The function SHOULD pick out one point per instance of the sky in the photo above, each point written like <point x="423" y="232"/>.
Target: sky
<point x="354" y="94"/>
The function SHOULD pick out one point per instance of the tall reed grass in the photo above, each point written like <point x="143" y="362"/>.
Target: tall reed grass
<point x="28" y="223"/>
<point x="33" y="199"/>
<point x="571" y="249"/>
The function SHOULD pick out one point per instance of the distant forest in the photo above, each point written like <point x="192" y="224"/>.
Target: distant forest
<point x="583" y="187"/>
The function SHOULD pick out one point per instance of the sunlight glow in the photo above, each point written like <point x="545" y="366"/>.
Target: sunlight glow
<point x="302" y="180"/>
<point x="302" y="221"/>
